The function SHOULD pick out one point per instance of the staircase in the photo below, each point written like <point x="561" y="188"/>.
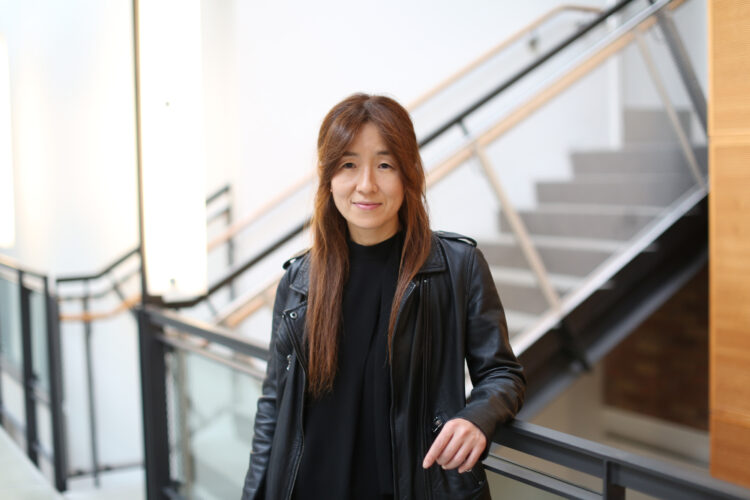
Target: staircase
<point x="581" y="226"/>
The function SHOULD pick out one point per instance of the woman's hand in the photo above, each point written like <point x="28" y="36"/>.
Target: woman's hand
<point x="459" y="444"/>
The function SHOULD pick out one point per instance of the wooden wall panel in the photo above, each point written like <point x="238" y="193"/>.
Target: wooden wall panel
<point x="729" y="238"/>
<point x="729" y="58"/>
<point x="730" y="440"/>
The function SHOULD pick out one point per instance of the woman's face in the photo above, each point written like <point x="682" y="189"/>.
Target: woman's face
<point x="367" y="188"/>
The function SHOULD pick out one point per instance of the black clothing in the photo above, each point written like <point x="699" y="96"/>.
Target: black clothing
<point x="450" y="313"/>
<point x="347" y="438"/>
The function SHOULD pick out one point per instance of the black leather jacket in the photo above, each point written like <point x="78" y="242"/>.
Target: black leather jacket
<point x="451" y="312"/>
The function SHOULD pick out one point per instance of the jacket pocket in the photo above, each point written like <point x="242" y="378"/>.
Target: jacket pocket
<point x="451" y="480"/>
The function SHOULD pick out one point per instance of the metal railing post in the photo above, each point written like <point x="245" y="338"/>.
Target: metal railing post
<point x="54" y="362"/>
<point x="687" y="149"/>
<point x="230" y="246"/>
<point x="684" y="66"/>
<point x="28" y="372"/>
<point x="611" y="490"/>
<point x="90" y="388"/>
<point x="154" y="394"/>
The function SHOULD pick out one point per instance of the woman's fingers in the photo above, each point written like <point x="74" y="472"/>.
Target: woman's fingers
<point x="458" y="458"/>
<point x="460" y="443"/>
<point x="437" y="448"/>
<point x="471" y="460"/>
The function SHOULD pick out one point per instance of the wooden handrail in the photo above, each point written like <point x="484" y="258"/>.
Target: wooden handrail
<point x="126" y="304"/>
<point x="497" y="49"/>
<point x="241" y="224"/>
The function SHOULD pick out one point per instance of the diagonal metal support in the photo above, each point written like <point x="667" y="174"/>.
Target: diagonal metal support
<point x="684" y="66"/>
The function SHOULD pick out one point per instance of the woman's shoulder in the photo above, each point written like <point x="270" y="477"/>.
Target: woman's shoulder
<point x="296" y="260"/>
<point x="449" y="236"/>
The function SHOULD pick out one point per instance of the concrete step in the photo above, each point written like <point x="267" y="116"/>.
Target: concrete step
<point x="652" y="125"/>
<point x="611" y="222"/>
<point x="637" y="159"/>
<point x="645" y="189"/>
<point x="561" y="255"/>
<point x="520" y="292"/>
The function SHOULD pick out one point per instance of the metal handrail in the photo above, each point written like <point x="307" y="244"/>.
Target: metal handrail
<point x="618" y="469"/>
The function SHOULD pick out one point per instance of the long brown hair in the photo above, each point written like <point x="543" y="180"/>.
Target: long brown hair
<point x="329" y="257"/>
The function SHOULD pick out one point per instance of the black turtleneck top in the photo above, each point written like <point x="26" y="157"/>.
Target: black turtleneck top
<point x="347" y="437"/>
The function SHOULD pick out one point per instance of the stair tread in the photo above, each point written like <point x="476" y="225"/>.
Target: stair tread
<point x="596" y="209"/>
<point x="551" y="241"/>
<point x="524" y="277"/>
<point x="620" y="177"/>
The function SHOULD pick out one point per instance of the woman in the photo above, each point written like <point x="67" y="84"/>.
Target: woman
<point x="364" y="392"/>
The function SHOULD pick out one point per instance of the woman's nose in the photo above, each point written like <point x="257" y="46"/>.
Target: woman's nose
<point x="367" y="182"/>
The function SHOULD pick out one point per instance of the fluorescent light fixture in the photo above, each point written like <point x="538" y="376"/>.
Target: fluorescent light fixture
<point x="173" y="155"/>
<point x="7" y="211"/>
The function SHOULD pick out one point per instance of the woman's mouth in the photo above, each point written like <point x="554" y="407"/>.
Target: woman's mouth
<point x="366" y="205"/>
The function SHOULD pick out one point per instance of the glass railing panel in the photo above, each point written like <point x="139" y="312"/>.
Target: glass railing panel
<point x="13" y="404"/>
<point x="506" y="487"/>
<point x="44" y="438"/>
<point x="11" y="346"/>
<point x="212" y="413"/>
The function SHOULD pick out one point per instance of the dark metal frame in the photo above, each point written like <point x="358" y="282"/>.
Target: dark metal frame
<point x="618" y="470"/>
<point x="85" y="298"/>
<point x="25" y="375"/>
<point x="154" y="346"/>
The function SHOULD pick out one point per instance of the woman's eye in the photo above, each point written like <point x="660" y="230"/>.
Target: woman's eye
<point x="385" y="165"/>
<point x="348" y="165"/>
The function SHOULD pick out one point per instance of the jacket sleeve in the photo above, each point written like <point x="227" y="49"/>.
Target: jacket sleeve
<point x="497" y="376"/>
<point x="265" y="415"/>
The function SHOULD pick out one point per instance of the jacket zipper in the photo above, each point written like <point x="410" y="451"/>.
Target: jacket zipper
<point x="407" y="294"/>
<point x="424" y="298"/>
<point x="301" y="405"/>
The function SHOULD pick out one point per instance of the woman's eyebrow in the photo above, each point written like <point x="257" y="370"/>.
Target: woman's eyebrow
<point x="380" y="153"/>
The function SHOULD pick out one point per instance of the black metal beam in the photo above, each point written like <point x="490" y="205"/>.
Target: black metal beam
<point x="537" y="479"/>
<point x="154" y="397"/>
<point x="206" y="331"/>
<point x="225" y="189"/>
<point x="615" y="467"/>
<point x="101" y="273"/>
<point x="28" y="371"/>
<point x="236" y="272"/>
<point x="56" y="395"/>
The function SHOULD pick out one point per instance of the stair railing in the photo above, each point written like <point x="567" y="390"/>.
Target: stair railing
<point x="242" y="224"/>
<point x="164" y="335"/>
<point x="475" y="147"/>
<point x="28" y="316"/>
<point x="114" y="279"/>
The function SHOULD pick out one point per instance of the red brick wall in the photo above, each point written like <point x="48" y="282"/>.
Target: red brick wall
<point x="661" y="369"/>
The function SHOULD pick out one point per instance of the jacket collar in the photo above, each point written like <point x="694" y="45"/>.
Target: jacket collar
<point x="435" y="263"/>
